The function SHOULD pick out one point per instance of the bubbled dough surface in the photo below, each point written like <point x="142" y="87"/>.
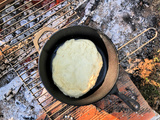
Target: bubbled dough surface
<point x="76" y="67"/>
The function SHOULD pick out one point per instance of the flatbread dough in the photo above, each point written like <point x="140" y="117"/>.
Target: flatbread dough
<point x="76" y="67"/>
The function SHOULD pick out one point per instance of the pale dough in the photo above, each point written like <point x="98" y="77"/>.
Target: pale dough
<point x="76" y="67"/>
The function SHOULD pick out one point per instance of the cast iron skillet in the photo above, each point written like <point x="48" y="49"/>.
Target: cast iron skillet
<point x="106" y="82"/>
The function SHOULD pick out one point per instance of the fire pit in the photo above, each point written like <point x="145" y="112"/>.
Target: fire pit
<point x="20" y="20"/>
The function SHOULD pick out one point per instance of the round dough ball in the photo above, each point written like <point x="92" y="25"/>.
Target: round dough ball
<point x="76" y="67"/>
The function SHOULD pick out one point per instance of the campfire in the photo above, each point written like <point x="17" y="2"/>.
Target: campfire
<point x="21" y="88"/>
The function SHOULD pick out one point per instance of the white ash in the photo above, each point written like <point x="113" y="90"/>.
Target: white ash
<point x="9" y="37"/>
<point x="31" y="30"/>
<point x="1" y="43"/>
<point x="28" y="4"/>
<point x="17" y="31"/>
<point x="52" y="23"/>
<point x="21" y="108"/>
<point x="38" y="17"/>
<point x="25" y="13"/>
<point x="87" y="11"/>
<point x="14" y="86"/>
<point x="10" y="76"/>
<point x="31" y="17"/>
<point x="20" y="37"/>
<point x="17" y="26"/>
<point x="34" y="74"/>
<point x="10" y="9"/>
<point x="45" y="96"/>
<point x="13" y="41"/>
<point x="24" y="76"/>
<point x="21" y="53"/>
<point x="24" y="22"/>
<point x="12" y="29"/>
<point x="37" y="26"/>
<point x="108" y="17"/>
<point x="30" y="65"/>
<point x="27" y="33"/>
<point x="47" y="14"/>
<point x="64" y="3"/>
<point x="88" y="7"/>
<point x="24" y="103"/>
<point x="58" y="21"/>
<point x="78" y="3"/>
<point x="28" y="96"/>
<point x="29" y="11"/>
<point x="17" y="3"/>
<point x="11" y="21"/>
<point x="115" y="28"/>
<point x="6" y="17"/>
<point x="58" y="7"/>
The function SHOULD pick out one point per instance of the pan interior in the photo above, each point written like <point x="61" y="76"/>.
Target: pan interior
<point x="48" y="53"/>
<point x="101" y="76"/>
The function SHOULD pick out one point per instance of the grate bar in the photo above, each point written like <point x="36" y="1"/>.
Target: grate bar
<point x="28" y="16"/>
<point x="28" y="70"/>
<point x="45" y="99"/>
<point x="38" y="90"/>
<point x="156" y="33"/>
<point x="45" y="39"/>
<point x="41" y="95"/>
<point x="30" y="75"/>
<point x="13" y="11"/>
<point x="32" y="81"/>
<point x="57" y="25"/>
<point x="26" y="64"/>
<point x="71" y="22"/>
<point x="21" y="12"/>
<point x="10" y="5"/>
<point x="21" y="54"/>
<point x="70" y="108"/>
<point x="17" y="49"/>
<point x="63" y="21"/>
<point x="25" y="83"/>
<point x="35" y="85"/>
<point x="34" y="19"/>
<point x="63" y="27"/>
<point x="32" y="27"/>
<point x="24" y="58"/>
<point x="54" y="100"/>
<point x="31" y="92"/>
<point x="57" y="111"/>
<point x="57" y="103"/>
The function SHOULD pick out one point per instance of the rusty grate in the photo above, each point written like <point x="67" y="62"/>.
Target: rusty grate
<point x="18" y="53"/>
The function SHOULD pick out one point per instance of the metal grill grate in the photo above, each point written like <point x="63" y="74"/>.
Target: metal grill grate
<point x="18" y="53"/>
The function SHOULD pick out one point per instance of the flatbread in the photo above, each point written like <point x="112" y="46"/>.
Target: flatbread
<point x="76" y="67"/>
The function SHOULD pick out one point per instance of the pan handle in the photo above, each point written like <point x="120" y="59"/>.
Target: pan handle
<point x="156" y="33"/>
<point x="133" y="104"/>
<point x="39" y="34"/>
